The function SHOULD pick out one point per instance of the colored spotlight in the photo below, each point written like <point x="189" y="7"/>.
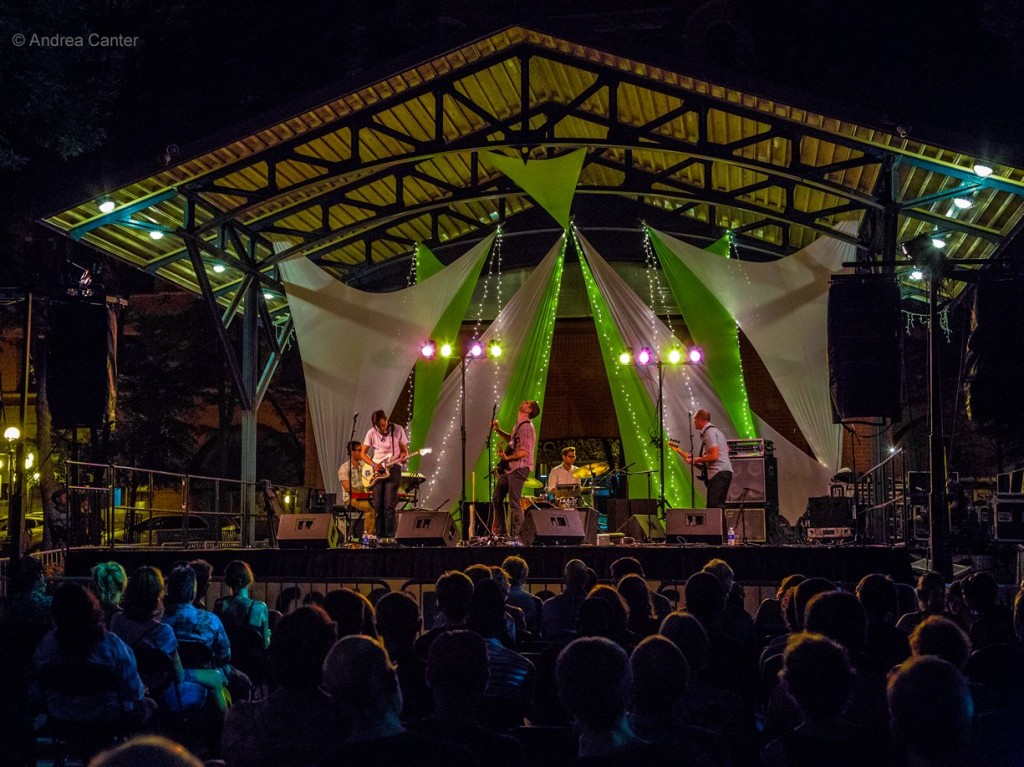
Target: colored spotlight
<point x="429" y="350"/>
<point x="695" y="355"/>
<point x="494" y="349"/>
<point x="674" y="355"/>
<point x="644" y="356"/>
<point x="475" y="349"/>
<point x="446" y="350"/>
<point x="626" y="357"/>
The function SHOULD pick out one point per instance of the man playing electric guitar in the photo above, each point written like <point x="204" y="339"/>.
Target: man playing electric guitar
<point x="713" y="458"/>
<point x="519" y="458"/>
<point x="387" y="444"/>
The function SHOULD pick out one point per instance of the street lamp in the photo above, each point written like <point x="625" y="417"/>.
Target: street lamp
<point x="14" y="523"/>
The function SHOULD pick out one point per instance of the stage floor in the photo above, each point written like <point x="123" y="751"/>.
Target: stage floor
<point x="661" y="562"/>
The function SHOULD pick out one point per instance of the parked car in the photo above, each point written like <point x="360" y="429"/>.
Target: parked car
<point x="33" y="532"/>
<point x="169" y="528"/>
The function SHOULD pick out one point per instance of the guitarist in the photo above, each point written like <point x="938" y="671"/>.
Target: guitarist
<point x="385" y="448"/>
<point x="712" y="459"/>
<point x="514" y="469"/>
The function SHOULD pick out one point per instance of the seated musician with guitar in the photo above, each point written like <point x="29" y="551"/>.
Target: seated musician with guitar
<point x="385" y="448"/>
<point x="349" y="475"/>
<point x="712" y="461"/>
<point x="513" y="470"/>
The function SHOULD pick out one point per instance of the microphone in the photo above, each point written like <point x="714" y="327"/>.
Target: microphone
<point x="355" y="417"/>
<point x="689" y="413"/>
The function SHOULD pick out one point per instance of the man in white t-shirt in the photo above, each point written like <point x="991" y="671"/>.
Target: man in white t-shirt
<point x="385" y="448"/>
<point x="350" y="476"/>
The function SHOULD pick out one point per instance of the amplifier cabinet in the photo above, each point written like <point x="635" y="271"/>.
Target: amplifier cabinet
<point x="1008" y="517"/>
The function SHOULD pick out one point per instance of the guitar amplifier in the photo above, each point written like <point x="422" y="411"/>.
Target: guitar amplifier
<point x="829" y="534"/>
<point x="1008" y="517"/>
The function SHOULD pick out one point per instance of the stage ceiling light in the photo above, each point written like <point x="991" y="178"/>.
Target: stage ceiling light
<point x="156" y="234"/>
<point x="475" y="349"/>
<point x="12" y="433"/>
<point x="695" y="355"/>
<point x="983" y="169"/>
<point x="219" y="268"/>
<point x="963" y="203"/>
<point x="494" y="349"/>
<point x="429" y="350"/>
<point x="625" y="358"/>
<point x="645" y="356"/>
<point x="675" y="355"/>
<point x="446" y="350"/>
<point x="106" y="205"/>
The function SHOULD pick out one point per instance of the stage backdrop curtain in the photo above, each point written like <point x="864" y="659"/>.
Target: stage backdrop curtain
<point x="358" y="348"/>
<point x="781" y="306"/>
<point x="685" y="388"/>
<point x="428" y="376"/>
<point x="714" y="330"/>
<point x="525" y="327"/>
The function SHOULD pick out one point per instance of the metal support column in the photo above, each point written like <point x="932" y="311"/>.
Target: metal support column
<point x="250" y="362"/>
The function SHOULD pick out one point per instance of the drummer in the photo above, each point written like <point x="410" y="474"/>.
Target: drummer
<point x="563" y="473"/>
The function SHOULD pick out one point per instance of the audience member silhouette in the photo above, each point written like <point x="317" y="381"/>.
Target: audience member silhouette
<point x="559" y="612"/>
<point x="108" y="581"/>
<point x="885" y="645"/>
<point x="351" y="611"/>
<point x="736" y="622"/>
<point x="453" y="591"/>
<point x="633" y="589"/>
<point x="204" y="573"/>
<point x="990" y="622"/>
<point x="361" y="678"/>
<point x="518" y="571"/>
<point x="624" y="566"/>
<point x="931" y="711"/>
<point x="398" y="622"/>
<point x="931" y="600"/>
<point x="146" y="751"/>
<point x="457" y="670"/>
<point x="297" y="723"/>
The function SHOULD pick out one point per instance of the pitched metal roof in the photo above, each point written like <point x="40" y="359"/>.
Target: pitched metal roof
<point x="354" y="182"/>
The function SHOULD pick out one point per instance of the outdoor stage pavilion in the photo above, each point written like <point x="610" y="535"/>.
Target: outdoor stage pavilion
<point x="551" y="148"/>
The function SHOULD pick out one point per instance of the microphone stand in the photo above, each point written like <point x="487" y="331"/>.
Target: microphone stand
<point x="352" y="473"/>
<point x="490" y="470"/>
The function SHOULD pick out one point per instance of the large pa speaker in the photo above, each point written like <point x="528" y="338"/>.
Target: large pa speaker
<point x="645" y="527"/>
<point x="995" y="354"/>
<point x="864" y="346"/>
<point x="749" y="524"/>
<point x="693" y="526"/>
<point x="426" y="528"/>
<point x="307" y="531"/>
<point x="755" y="481"/>
<point x="81" y="363"/>
<point x="552" y="527"/>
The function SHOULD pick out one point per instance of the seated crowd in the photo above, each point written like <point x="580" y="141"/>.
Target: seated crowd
<point x="598" y="674"/>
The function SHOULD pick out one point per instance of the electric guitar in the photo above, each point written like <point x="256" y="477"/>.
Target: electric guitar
<point x="702" y="468"/>
<point x="503" y="463"/>
<point x="373" y="473"/>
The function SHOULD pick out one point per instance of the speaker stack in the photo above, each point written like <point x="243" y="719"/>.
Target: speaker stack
<point x="754" y="492"/>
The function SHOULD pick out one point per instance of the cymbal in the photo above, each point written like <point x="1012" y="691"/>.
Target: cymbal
<point x="533" y="483"/>
<point x="589" y="470"/>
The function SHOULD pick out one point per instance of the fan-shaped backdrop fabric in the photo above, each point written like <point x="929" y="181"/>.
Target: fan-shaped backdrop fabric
<point x="357" y="348"/>
<point x="488" y="384"/>
<point x="782" y="307"/>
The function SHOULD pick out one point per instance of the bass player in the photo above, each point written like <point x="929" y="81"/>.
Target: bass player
<point x="515" y="467"/>
<point x="713" y="458"/>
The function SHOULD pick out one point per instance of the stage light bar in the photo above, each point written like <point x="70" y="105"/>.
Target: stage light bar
<point x="475" y="350"/>
<point x="675" y="356"/>
<point x="446" y="350"/>
<point x="626" y="357"/>
<point x="494" y="349"/>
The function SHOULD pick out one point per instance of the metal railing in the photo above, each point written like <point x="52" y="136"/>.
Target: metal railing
<point x="879" y="497"/>
<point x="112" y="505"/>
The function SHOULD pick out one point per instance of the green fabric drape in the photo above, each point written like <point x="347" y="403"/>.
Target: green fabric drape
<point x="529" y="376"/>
<point x="713" y="329"/>
<point x="634" y="409"/>
<point x="428" y="376"/>
<point x="550" y="183"/>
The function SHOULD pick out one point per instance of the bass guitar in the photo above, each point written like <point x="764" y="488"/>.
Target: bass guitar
<point x="503" y="463"/>
<point x="702" y="468"/>
<point x="373" y="473"/>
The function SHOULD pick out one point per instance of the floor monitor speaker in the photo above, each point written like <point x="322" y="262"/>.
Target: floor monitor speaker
<point x="645" y="527"/>
<point x="749" y="525"/>
<point x="426" y="528"/>
<point x="588" y="518"/>
<point x="307" y="531"/>
<point x="553" y="527"/>
<point x="693" y="526"/>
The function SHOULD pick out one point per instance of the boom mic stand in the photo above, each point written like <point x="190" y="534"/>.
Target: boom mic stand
<point x="693" y="481"/>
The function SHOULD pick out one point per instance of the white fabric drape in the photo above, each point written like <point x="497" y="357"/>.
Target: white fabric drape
<point x="685" y="387"/>
<point x="782" y="308"/>
<point x="486" y="383"/>
<point x="358" y="348"/>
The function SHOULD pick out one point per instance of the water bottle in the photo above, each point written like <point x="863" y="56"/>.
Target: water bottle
<point x="366" y="539"/>
<point x="732" y="536"/>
